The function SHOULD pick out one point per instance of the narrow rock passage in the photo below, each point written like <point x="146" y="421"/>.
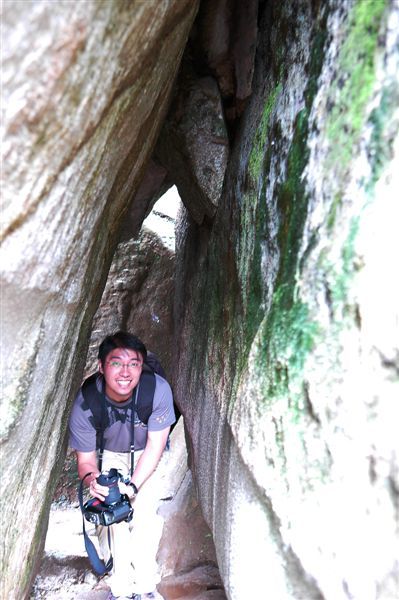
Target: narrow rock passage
<point x="186" y="554"/>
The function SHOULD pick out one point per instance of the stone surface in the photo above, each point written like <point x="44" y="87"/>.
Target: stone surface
<point x="193" y="547"/>
<point x="289" y="386"/>
<point x="85" y="88"/>
<point x="210" y="95"/>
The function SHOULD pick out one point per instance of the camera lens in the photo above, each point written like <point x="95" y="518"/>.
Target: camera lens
<point x="110" y="480"/>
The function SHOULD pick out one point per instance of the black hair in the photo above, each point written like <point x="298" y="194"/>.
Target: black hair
<point x="121" y="339"/>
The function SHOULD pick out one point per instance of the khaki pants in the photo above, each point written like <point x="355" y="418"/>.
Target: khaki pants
<point x="134" y="545"/>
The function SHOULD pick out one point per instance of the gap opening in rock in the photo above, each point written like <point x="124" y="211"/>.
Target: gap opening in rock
<point x="132" y="299"/>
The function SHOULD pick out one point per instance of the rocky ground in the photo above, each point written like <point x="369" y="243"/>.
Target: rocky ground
<point x="186" y="553"/>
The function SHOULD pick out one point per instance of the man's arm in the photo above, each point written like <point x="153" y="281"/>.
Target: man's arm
<point x="148" y="461"/>
<point x="87" y="463"/>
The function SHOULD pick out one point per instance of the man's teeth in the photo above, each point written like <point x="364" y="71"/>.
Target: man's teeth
<point x="124" y="383"/>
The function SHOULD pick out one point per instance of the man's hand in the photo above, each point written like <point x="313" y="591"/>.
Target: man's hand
<point x="98" y="491"/>
<point x="126" y="489"/>
<point x="87" y="463"/>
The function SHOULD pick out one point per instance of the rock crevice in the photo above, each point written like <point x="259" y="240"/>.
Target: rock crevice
<point x="278" y="125"/>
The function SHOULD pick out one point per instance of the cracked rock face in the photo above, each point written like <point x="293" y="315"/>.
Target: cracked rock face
<point x="86" y="86"/>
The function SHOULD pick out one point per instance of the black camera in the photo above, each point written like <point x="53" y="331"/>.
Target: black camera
<point x="115" y="507"/>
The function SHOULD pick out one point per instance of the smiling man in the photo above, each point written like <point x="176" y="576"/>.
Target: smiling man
<point x="132" y="413"/>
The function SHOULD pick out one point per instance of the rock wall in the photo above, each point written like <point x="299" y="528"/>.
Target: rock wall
<point x="287" y="314"/>
<point x="86" y="86"/>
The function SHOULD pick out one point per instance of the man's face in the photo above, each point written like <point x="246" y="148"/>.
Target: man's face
<point x="122" y="369"/>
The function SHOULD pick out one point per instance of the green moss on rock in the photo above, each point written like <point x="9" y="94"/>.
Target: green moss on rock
<point x="256" y="157"/>
<point x="353" y="85"/>
<point x="289" y="335"/>
<point x="289" y="332"/>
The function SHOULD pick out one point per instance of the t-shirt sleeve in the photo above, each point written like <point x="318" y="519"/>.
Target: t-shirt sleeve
<point x="163" y="414"/>
<point x="82" y="434"/>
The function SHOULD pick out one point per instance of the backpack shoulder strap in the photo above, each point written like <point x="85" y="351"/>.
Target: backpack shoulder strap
<point x="96" y="402"/>
<point x="146" y="391"/>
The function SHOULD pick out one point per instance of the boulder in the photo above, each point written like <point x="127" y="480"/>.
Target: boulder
<point x="194" y="145"/>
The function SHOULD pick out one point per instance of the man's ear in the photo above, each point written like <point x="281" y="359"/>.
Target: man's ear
<point x="100" y="367"/>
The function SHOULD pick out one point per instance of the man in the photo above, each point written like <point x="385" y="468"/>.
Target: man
<point x="133" y="545"/>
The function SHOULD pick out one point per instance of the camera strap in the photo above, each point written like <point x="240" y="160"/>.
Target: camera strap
<point x="99" y="566"/>
<point x="101" y="433"/>
<point x="134" y="411"/>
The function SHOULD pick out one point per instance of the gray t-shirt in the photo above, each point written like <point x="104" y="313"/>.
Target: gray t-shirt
<point x="117" y="436"/>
